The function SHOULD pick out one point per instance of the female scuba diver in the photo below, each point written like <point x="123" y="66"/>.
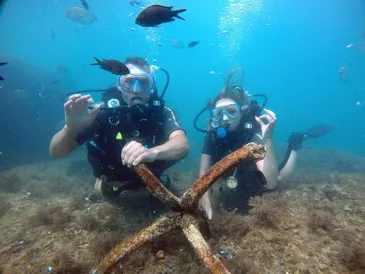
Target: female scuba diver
<point x="234" y="121"/>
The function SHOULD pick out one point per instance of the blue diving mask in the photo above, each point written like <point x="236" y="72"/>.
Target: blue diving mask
<point x="229" y="110"/>
<point x="137" y="82"/>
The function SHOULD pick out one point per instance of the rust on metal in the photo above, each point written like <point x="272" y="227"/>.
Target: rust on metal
<point x="157" y="188"/>
<point x="249" y="152"/>
<point x="161" y="226"/>
<point x="191" y="231"/>
<point x="186" y="215"/>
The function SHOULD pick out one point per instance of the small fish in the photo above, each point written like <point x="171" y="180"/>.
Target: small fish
<point x="177" y="44"/>
<point x="2" y="64"/>
<point x="157" y="14"/>
<point x="112" y="66"/>
<point x="81" y="15"/>
<point x="85" y="4"/>
<point x="193" y="44"/>
<point x="135" y="2"/>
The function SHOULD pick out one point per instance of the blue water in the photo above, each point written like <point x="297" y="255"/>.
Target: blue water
<point x="290" y="50"/>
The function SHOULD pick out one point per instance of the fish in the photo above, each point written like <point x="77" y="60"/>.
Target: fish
<point x="2" y="63"/>
<point x="85" y="4"/>
<point x="177" y="44"/>
<point x="157" y="14"/>
<point x="81" y="15"/>
<point x="193" y="44"/>
<point x="112" y="66"/>
<point x="135" y="2"/>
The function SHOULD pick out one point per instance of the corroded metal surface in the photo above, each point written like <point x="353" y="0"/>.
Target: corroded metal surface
<point x="157" y="188"/>
<point x="163" y="225"/>
<point x="186" y="214"/>
<point x="249" y="152"/>
<point x="191" y="231"/>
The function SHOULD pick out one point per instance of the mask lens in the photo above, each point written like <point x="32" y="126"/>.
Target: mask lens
<point x="144" y="82"/>
<point x="232" y="111"/>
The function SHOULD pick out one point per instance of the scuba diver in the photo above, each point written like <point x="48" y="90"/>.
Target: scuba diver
<point x="235" y="119"/>
<point x="131" y="125"/>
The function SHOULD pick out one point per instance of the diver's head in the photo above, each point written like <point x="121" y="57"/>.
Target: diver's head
<point x="137" y="86"/>
<point x="229" y="106"/>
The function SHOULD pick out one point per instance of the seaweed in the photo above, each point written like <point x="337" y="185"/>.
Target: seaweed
<point x="229" y="225"/>
<point x="107" y="210"/>
<point x="103" y="243"/>
<point x="270" y="210"/>
<point x="11" y="182"/>
<point x="77" y="202"/>
<point x="65" y="264"/>
<point x="90" y="223"/>
<point x="352" y="253"/>
<point x="55" y="216"/>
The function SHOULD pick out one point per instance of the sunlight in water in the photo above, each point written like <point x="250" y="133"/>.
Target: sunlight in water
<point x="153" y="35"/>
<point x="235" y="23"/>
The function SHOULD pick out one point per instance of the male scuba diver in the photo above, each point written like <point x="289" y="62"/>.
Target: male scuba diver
<point x="235" y="119"/>
<point x="132" y="125"/>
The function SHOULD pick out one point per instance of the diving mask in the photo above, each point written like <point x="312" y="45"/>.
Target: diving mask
<point x="231" y="110"/>
<point x="136" y="82"/>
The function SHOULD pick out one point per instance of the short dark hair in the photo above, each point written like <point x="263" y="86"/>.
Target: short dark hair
<point x="138" y="62"/>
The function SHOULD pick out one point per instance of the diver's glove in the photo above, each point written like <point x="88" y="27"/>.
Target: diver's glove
<point x="295" y="141"/>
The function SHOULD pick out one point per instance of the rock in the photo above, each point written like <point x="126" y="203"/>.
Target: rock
<point x="4" y="208"/>
<point x="160" y="254"/>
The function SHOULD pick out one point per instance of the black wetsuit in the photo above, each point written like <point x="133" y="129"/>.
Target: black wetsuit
<point x="249" y="184"/>
<point x="113" y="128"/>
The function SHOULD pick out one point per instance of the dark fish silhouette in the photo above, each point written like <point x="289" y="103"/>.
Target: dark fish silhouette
<point x="2" y="64"/>
<point x="156" y="14"/>
<point x="112" y="66"/>
<point x="193" y="44"/>
<point x="85" y="4"/>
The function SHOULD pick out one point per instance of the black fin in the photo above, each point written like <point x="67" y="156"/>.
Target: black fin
<point x="175" y="13"/>
<point x="3" y="63"/>
<point x="1" y="78"/>
<point x="98" y="62"/>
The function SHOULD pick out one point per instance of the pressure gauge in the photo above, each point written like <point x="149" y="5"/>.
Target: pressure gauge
<point x="232" y="182"/>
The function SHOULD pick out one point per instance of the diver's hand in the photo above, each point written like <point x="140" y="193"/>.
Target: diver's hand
<point x="77" y="114"/>
<point x="267" y="130"/>
<point x="135" y="153"/>
<point x="206" y="205"/>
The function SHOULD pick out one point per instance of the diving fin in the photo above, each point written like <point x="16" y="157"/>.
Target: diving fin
<point x="296" y="139"/>
<point x="318" y="130"/>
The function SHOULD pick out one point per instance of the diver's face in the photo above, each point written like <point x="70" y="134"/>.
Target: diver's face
<point x="136" y="94"/>
<point x="227" y="113"/>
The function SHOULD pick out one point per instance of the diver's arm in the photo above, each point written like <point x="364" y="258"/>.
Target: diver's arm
<point x="269" y="166"/>
<point x="287" y="170"/>
<point x="175" y="148"/>
<point x="63" y="143"/>
<point x="205" y="161"/>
